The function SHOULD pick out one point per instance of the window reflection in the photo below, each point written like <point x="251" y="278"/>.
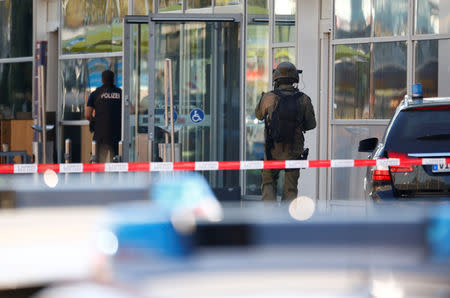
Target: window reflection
<point x="98" y="26"/>
<point x="284" y="7"/>
<point x="227" y="2"/>
<point x="258" y="7"/>
<point x="369" y="84"/>
<point x="389" y="78"/>
<point x="92" y="25"/>
<point x="285" y="30"/>
<point x="432" y="17"/>
<point x="431" y="66"/>
<point x="202" y="79"/>
<point x="390" y="17"/>
<point x="353" y="18"/>
<point x="79" y="78"/>
<point x="284" y="21"/>
<point x="73" y="33"/>
<point x="142" y="7"/>
<point x="256" y="78"/>
<point x="351" y="63"/>
<point x="347" y="184"/>
<point x="170" y="5"/>
<point x="15" y="83"/>
<point x="426" y="66"/>
<point x="16" y="25"/>
<point x="198" y="3"/>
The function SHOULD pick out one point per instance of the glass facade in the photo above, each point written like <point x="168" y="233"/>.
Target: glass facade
<point x="258" y="71"/>
<point x="371" y="69"/>
<point x="370" y="79"/>
<point x="138" y="88"/>
<point x="198" y="4"/>
<point x="389" y="78"/>
<point x="432" y="17"/>
<point x="169" y="5"/>
<point x="390" y="17"/>
<point x="352" y="18"/>
<point x="347" y="183"/>
<point x="16" y="25"/>
<point x="15" y="83"/>
<point x="16" y="41"/>
<point x="284" y="21"/>
<point x="142" y="7"/>
<point x="286" y="54"/>
<point x="206" y="91"/>
<point x="431" y="63"/>
<point x="91" y="26"/>
<point x="257" y="74"/>
<point x="258" y="7"/>
<point x="227" y="2"/>
<point x="79" y="78"/>
<point x="351" y="79"/>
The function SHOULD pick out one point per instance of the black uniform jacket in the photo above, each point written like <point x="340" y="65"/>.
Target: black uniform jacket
<point x="107" y="103"/>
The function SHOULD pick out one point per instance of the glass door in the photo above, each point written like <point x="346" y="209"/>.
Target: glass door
<point x="205" y="52"/>
<point x="135" y="89"/>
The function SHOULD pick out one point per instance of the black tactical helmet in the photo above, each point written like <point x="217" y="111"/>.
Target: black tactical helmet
<point x="285" y="70"/>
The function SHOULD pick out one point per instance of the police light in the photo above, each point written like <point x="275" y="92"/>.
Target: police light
<point x="417" y="91"/>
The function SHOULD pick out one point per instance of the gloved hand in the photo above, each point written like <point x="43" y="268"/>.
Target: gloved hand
<point x="304" y="155"/>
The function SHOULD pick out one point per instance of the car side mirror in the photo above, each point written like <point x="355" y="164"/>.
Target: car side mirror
<point x="368" y="145"/>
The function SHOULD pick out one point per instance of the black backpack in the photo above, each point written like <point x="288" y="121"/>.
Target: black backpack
<point x="284" y="118"/>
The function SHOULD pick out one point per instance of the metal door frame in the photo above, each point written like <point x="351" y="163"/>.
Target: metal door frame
<point x="127" y="33"/>
<point x="151" y="20"/>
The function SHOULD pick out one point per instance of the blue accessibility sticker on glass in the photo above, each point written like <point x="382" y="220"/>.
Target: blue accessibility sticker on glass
<point x="197" y="115"/>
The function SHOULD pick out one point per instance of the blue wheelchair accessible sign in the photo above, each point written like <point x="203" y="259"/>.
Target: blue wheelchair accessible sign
<point x="197" y="115"/>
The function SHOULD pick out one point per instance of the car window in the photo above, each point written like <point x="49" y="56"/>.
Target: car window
<point x="420" y="130"/>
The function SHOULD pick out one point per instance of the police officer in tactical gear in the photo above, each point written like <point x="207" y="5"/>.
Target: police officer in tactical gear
<point x="104" y="112"/>
<point x="285" y="78"/>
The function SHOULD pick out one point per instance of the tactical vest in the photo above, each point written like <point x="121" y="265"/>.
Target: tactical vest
<point x="285" y="118"/>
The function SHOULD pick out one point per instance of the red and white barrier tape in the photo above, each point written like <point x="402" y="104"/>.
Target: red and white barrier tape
<point x="213" y="165"/>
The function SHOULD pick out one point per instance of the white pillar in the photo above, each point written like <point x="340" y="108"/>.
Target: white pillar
<point x="308" y="16"/>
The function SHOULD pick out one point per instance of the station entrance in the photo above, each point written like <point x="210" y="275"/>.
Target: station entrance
<point x="206" y="56"/>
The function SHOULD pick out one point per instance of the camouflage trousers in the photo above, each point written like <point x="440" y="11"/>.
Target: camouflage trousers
<point x="270" y="176"/>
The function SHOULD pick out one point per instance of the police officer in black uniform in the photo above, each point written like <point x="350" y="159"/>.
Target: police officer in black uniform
<point x="104" y="112"/>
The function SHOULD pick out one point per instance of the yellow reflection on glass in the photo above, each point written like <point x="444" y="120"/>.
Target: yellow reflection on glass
<point x="283" y="55"/>
<point x="50" y="178"/>
<point x="302" y="208"/>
